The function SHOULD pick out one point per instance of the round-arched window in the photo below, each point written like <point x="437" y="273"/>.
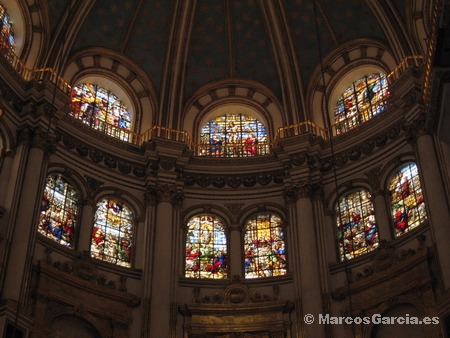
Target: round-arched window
<point x="362" y="100"/>
<point x="233" y="135"/>
<point x="264" y="246"/>
<point x="102" y="110"/>
<point x="206" y="248"/>
<point x="58" y="213"/>
<point x="357" y="230"/>
<point x="407" y="202"/>
<point x="112" y="235"/>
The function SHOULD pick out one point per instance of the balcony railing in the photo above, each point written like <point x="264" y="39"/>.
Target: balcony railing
<point x="228" y="150"/>
<point x="232" y="150"/>
<point x="304" y="127"/>
<point x="414" y="61"/>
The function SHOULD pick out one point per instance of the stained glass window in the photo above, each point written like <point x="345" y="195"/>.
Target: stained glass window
<point x="407" y="202"/>
<point x="264" y="246"/>
<point x="112" y="235"/>
<point x="357" y="229"/>
<point x="361" y="101"/>
<point x="206" y="248"/>
<point x="58" y="216"/>
<point x="233" y="135"/>
<point x="7" y="41"/>
<point x="101" y="110"/>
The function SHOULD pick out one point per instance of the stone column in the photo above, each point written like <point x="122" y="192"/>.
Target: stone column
<point x="24" y="216"/>
<point x="235" y="256"/>
<point x="304" y="256"/>
<point x="164" y="267"/>
<point x="86" y="224"/>
<point x="382" y="215"/>
<point x="435" y="200"/>
<point x="5" y="171"/>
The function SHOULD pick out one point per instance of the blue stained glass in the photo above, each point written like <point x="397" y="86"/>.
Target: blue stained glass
<point x="364" y="99"/>
<point x="58" y="216"/>
<point x="264" y="247"/>
<point x="357" y="229"/>
<point x="206" y="248"/>
<point x="7" y="41"/>
<point x="99" y="108"/>
<point x="233" y="135"/>
<point x="112" y="235"/>
<point x="407" y="201"/>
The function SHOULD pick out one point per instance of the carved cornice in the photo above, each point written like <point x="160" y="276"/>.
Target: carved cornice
<point x="364" y="148"/>
<point x="236" y="293"/>
<point x="101" y="157"/>
<point x="233" y="181"/>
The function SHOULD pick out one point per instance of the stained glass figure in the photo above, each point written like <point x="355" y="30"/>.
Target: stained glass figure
<point x="58" y="215"/>
<point x="264" y="246"/>
<point x="407" y="202"/>
<point x="7" y="41"/>
<point x="364" y="99"/>
<point x="101" y="110"/>
<point x="233" y="135"/>
<point x="112" y="234"/>
<point x="357" y="229"/>
<point x="206" y="248"/>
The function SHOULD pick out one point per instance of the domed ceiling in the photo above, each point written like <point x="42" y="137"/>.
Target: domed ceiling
<point x="227" y="38"/>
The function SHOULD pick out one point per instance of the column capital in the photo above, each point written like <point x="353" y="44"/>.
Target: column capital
<point x="164" y="193"/>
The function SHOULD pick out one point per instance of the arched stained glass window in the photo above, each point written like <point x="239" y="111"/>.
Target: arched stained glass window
<point x="407" y="202"/>
<point x="361" y="101"/>
<point x="101" y="110"/>
<point x="233" y="135"/>
<point x="58" y="217"/>
<point x="357" y="230"/>
<point x="264" y="246"/>
<point x="206" y="248"/>
<point x="7" y="41"/>
<point x="112" y="235"/>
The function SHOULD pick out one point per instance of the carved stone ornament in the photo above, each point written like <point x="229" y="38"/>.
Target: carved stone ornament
<point x="234" y="208"/>
<point x="93" y="184"/>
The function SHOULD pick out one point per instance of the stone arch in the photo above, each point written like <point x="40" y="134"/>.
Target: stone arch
<point x="341" y="66"/>
<point x="125" y="78"/>
<point x="225" y="93"/>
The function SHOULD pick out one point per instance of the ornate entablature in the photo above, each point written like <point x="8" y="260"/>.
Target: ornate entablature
<point x="237" y="310"/>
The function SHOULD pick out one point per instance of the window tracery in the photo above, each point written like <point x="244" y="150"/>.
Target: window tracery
<point x="58" y="212"/>
<point x="101" y="109"/>
<point x="357" y="229"/>
<point x="361" y="101"/>
<point x="7" y="40"/>
<point x="206" y="248"/>
<point x="233" y="135"/>
<point x="407" y="201"/>
<point x="264" y="246"/>
<point x="112" y="234"/>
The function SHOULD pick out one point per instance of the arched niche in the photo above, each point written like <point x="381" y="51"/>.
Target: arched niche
<point x="68" y="326"/>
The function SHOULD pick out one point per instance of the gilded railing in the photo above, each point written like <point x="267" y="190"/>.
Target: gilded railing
<point x="299" y="129"/>
<point x="233" y="150"/>
<point x="414" y="61"/>
<point x="166" y="133"/>
<point x="431" y="48"/>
